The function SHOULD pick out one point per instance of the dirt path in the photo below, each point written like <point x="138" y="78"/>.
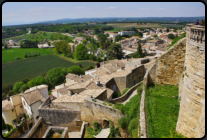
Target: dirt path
<point x="134" y="92"/>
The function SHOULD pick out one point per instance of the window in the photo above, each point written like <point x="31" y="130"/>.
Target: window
<point x="20" y="106"/>
<point x="12" y="110"/>
<point x="14" y="121"/>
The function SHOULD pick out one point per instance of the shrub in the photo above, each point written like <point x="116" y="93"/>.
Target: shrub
<point x="139" y="88"/>
<point x="133" y="125"/>
<point x="104" y="103"/>
<point x="110" y="104"/>
<point x="97" y="126"/>
<point x="17" y="58"/>
<point x="123" y="122"/>
<point x="94" y="100"/>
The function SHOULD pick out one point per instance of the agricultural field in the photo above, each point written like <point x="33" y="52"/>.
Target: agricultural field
<point x="130" y="25"/>
<point x="37" y="36"/>
<point x="114" y="30"/>
<point x="171" y="25"/>
<point x="18" y="37"/>
<point x="15" y="71"/>
<point x="11" y="54"/>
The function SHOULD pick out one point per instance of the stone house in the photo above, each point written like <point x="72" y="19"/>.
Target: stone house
<point x="151" y="42"/>
<point x="32" y="99"/>
<point x="161" y="49"/>
<point x="79" y="39"/>
<point x="72" y="45"/>
<point x="121" y="33"/>
<point x="113" y="35"/>
<point x="12" y="109"/>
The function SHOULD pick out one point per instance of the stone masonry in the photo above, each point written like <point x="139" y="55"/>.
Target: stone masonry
<point x="191" y="120"/>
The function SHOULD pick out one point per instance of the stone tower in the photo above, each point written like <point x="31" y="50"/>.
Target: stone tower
<point x="191" y="119"/>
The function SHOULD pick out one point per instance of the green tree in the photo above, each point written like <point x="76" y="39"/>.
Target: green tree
<point x="170" y="36"/>
<point x="84" y="42"/>
<point x="80" y="52"/>
<point x="118" y="38"/>
<point x="92" y="48"/>
<point x="96" y="31"/>
<point x="139" y="53"/>
<point x="76" y="70"/>
<point x="56" y="76"/>
<point x="3" y="124"/>
<point x="17" y="86"/>
<point x="114" y="51"/>
<point x="39" y="80"/>
<point x="155" y="36"/>
<point x="25" y="56"/>
<point x="48" y="43"/>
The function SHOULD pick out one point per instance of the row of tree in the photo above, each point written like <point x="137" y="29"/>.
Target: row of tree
<point x="28" y="44"/>
<point x="52" y="78"/>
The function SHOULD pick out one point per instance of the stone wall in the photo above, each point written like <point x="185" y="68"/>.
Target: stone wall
<point x="148" y="78"/>
<point x="123" y="97"/>
<point x="38" y="129"/>
<point x="61" y="116"/>
<point x="191" y="120"/>
<point x="135" y="76"/>
<point x="96" y="111"/>
<point x="169" y="66"/>
<point x="103" y="96"/>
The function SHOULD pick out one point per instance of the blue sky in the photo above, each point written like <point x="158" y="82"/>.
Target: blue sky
<point x="44" y="11"/>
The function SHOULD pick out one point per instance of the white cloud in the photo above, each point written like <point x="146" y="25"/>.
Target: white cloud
<point x="161" y="9"/>
<point x="45" y="8"/>
<point x="144" y="9"/>
<point x="111" y="8"/>
<point x="10" y="15"/>
<point x="79" y="7"/>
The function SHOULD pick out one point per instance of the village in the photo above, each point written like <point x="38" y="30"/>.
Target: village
<point x="108" y="70"/>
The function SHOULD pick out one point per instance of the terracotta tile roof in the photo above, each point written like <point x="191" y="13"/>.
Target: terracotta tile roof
<point x="116" y="61"/>
<point x="80" y="97"/>
<point x="145" y="46"/>
<point x="36" y="87"/>
<point x="83" y="78"/>
<point x="80" y="85"/>
<point x="151" y="41"/>
<point x="32" y="97"/>
<point x="109" y="67"/>
<point x="7" y="105"/>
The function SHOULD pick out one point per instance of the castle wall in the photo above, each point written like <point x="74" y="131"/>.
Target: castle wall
<point x="191" y="120"/>
<point x="169" y="66"/>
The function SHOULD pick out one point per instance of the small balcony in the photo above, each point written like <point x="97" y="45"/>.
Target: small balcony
<point x="196" y="33"/>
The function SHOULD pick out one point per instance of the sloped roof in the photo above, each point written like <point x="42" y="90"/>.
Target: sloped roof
<point x="7" y="105"/>
<point x="80" y="85"/>
<point x="33" y="96"/>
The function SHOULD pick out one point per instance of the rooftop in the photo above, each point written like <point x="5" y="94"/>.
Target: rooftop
<point x="36" y="87"/>
<point x="32" y="96"/>
<point x="7" y="105"/>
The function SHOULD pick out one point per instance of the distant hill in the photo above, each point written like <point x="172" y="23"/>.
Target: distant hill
<point x="114" y="19"/>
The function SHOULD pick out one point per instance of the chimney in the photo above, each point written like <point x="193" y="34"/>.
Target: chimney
<point x="8" y="98"/>
<point x="116" y="65"/>
<point x="96" y="77"/>
<point x="69" y="92"/>
<point x="91" y="79"/>
<point x="80" y="76"/>
<point x="63" y="84"/>
<point x="97" y="83"/>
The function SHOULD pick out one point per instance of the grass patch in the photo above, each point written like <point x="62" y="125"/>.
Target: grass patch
<point x="11" y="54"/>
<point x="162" y="111"/>
<point x="90" y="132"/>
<point x="29" y="68"/>
<point x="131" y="109"/>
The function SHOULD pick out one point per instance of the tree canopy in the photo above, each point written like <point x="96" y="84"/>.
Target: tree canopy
<point x="114" y="51"/>
<point x="139" y="53"/>
<point x="80" y="52"/>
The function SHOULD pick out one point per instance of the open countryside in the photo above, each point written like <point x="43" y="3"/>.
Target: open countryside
<point x="29" y="68"/>
<point x="129" y="25"/>
<point x="11" y="54"/>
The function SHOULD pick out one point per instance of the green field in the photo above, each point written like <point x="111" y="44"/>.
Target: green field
<point x="11" y="54"/>
<point x="171" y="25"/>
<point x="15" y="71"/>
<point x="119" y="26"/>
<point x="114" y="30"/>
<point x="18" y="37"/>
<point x="33" y="37"/>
